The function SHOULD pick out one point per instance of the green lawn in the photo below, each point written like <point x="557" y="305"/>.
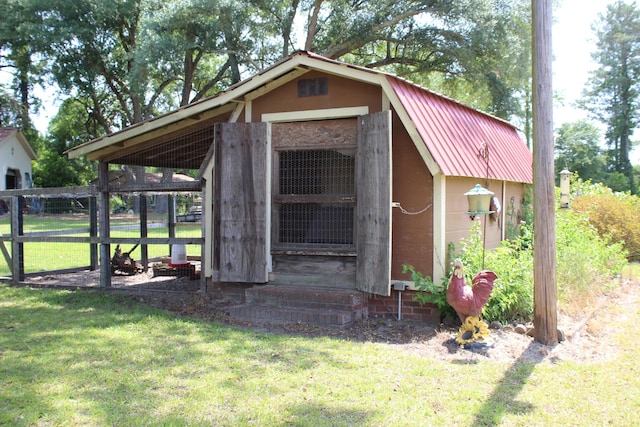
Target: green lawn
<point x="85" y="358"/>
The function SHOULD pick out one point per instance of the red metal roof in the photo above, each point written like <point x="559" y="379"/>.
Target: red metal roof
<point x="5" y="132"/>
<point x="456" y="134"/>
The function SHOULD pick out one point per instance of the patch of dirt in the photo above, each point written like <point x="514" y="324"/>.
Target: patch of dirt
<point x="590" y="336"/>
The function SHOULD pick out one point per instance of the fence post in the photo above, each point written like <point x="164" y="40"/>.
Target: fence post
<point x="171" y="212"/>
<point x="93" y="233"/>
<point x="144" y="250"/>
<point x="105" y="228"/>
<point x="17" y="248"/>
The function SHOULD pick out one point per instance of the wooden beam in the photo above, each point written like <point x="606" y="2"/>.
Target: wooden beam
<point x="5" y="253"/>
<point x="544" y="254"/>
<point x="103" y="206"/>
<point x="160" y="187"/>
<point x="77" y="191"/>
<point x="112" y="240"/>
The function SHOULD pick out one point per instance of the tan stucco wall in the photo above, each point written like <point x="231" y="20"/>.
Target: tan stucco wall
<point x="343" y="93"/>
<point x="458" y="223"/>
<point x="413" y="189"/>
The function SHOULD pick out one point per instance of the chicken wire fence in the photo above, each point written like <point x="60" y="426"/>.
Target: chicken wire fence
<point x="60" y="233"/>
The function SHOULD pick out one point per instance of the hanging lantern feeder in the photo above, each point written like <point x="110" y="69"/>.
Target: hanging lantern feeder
<point x="479" y="199"/>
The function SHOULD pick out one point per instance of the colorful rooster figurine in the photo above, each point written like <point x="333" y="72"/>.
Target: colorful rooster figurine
<point x="469" y="300"/>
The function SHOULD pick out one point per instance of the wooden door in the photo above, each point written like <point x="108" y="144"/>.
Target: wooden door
<point x="373" y="209"/>
<point x="243" y="208"/>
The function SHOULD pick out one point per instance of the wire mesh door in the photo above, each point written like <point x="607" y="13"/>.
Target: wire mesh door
<point x="315" y="199"/>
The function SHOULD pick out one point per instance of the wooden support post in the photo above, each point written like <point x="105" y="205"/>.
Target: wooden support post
<point x="544" y="254"/>
<point x="171" y="212"/>
<point x="105" y="233"/>
<point x="17" y="248"/>
<point x="93" y="233"/>
<point x="144" y="250"/>
<point x="203" y="248"/>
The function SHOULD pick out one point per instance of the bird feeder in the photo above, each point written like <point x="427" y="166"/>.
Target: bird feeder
<point x="564" y="188"/>
<point x="479" y="199"/>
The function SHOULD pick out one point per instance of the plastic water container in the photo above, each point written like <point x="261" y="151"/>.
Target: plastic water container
<point x="179" y="256"/>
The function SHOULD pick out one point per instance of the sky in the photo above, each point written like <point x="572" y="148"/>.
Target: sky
<point x="573" y="42"/>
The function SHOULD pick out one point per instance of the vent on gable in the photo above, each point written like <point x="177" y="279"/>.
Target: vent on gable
<point x="313" y="87"/>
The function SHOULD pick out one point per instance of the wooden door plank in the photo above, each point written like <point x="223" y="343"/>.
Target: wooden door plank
<point x="243" y="191"/>
<point x="373" y="208"/>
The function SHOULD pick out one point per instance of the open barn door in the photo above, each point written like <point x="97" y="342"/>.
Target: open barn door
<point x="373" y="209"/>
<point x="243" y="207"/>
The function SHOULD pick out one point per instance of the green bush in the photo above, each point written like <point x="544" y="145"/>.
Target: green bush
<point x="429" y="292"/>
<point x="586" y="263"/>
<point x="512" y="296"/>
<point x="614" y="215"/>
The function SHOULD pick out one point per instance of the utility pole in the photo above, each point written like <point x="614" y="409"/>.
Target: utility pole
<point x="544" y="238"/>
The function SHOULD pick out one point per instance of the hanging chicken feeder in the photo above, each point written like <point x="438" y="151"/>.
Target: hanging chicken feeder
<point x="479" y="199"/>
<point x="565" y="188"/>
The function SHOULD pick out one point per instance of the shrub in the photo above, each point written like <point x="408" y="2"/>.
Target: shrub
<point x="614" y="215"/>
<point x="586" y="261"/>
<point x="429" y="292"/>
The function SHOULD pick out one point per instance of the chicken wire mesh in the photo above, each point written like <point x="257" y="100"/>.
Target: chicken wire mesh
<point x="312" y="223"/>
<point x="58" y="229"/>
<point x="320" y="172"/>
<point x="43" y="218"/>
<point x="327" y="217"/>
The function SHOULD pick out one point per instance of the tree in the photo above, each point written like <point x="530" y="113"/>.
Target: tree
<point x="70" y="127"/>
<point x="477" y="51"/>
<point x="18" y="47"/>
<point x="577" y="150"/>
<point x="612" y="94"/>
<point x="126" y="61"/>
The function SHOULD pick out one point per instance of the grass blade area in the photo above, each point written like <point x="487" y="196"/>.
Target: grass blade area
<point x="90" y="358"/>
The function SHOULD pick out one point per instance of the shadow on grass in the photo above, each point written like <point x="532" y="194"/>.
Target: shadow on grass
<point x="321" y="415"/>
<point x="504" y="398"/>
<point x="115" y="362"/>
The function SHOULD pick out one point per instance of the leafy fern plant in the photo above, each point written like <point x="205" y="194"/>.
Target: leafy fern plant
<point x="429" y="292"/>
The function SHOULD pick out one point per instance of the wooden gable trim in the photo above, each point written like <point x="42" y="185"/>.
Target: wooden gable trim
<point x="277" y="75"/>
<point x="324" y="114"/>
<point x="276" y="83"/>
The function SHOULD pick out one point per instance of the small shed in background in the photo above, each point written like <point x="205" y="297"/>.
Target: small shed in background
<point x="15" y="160"/>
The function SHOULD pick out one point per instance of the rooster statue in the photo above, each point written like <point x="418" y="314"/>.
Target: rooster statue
<point x="469" y="300"/>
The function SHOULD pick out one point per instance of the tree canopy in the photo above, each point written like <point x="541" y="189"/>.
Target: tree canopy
<point x="577" y="149"/>
<point x="125" y="61"/>
<point x="612" y="94"/>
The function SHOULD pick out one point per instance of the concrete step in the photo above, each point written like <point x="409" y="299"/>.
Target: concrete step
<point x="290" y="304"/>
<point x="271" y="314"/>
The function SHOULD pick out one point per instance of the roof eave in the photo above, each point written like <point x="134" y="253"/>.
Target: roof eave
<point x="301" y="61"/>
